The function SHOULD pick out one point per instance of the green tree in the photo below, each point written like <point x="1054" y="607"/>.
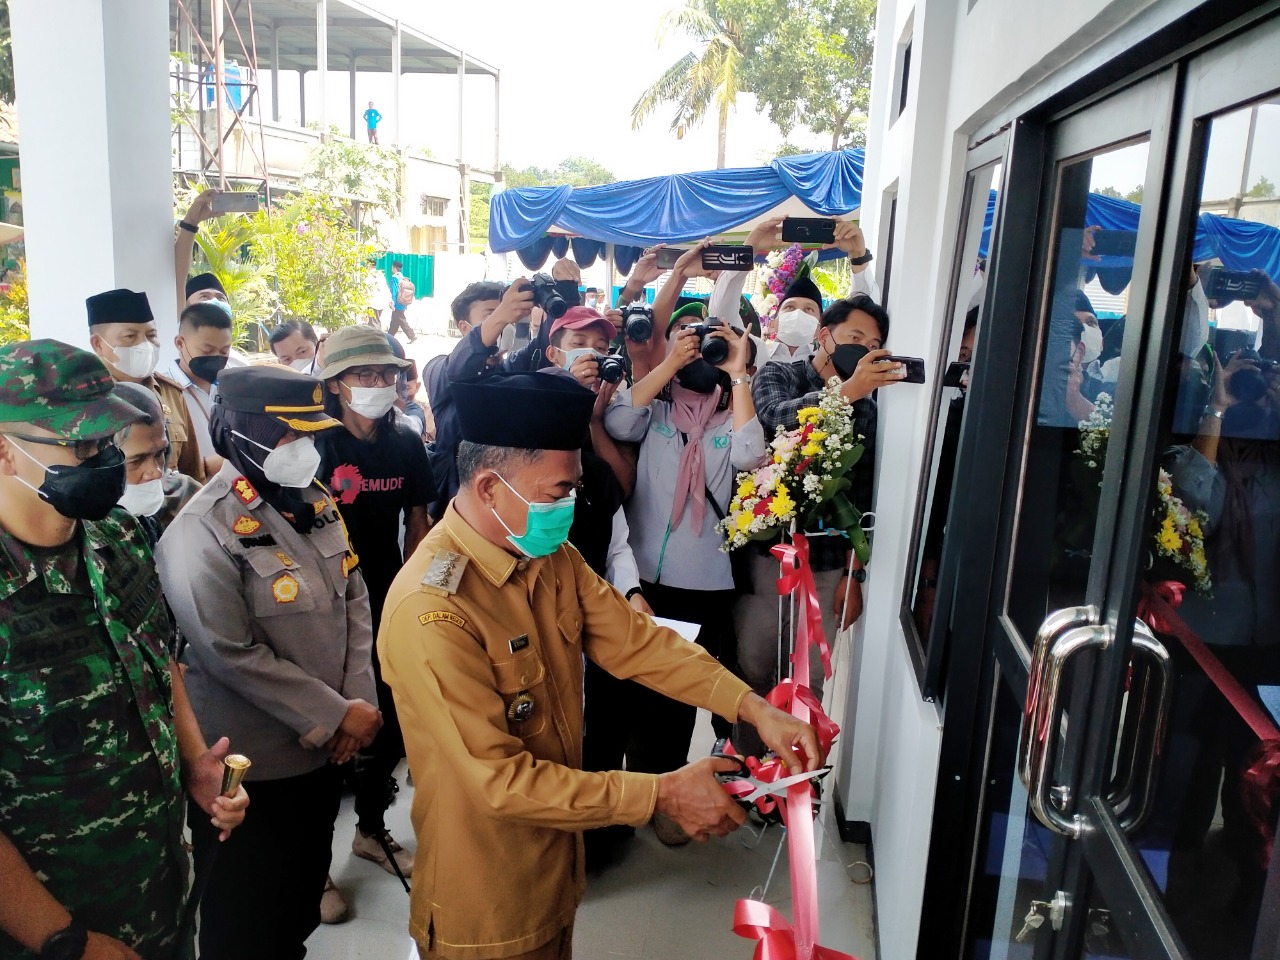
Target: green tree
<point x="711" y="75"/>
<point x="6" y="54"/>
<point x="574" y="171"/>
<point x="1264" y="189"/>
<point x="15" y="315"/>
<point x="480" y="194"/>
<point x="809" y="61"/>
<point x="311" y="249"/>
<point x="365" y="176"/>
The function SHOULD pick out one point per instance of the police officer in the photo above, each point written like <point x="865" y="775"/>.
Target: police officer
<point x="96" y="734"/>
<point x="122" y="332"/>
<point x="263" y="583"/>
<point x="482" y="643"/>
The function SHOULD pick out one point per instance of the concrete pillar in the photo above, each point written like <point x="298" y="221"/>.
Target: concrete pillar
<point x="462" y="106"/>
<point x="302" y="98"/>
<point x="497" y="110"/>
<point x="351" y="71"/>
<point x="322" y="62"/>
<point x="98" y="208"/>
<point x="396" y="37"/>
<point x="275" y="72"/>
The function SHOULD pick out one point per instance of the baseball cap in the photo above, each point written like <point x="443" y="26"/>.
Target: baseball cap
<point x="357" y="346"/>
<point x="60" y="388"/>
<point x="579" y="318"/>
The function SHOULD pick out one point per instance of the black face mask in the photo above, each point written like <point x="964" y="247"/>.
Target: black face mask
<point x="699" y="376"/>
<point x="845" y="358"/>
<point x="206" y="368"/>
<point x="87" y="491"/>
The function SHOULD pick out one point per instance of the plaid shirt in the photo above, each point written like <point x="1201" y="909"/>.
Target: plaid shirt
<point x="780" y="391"/>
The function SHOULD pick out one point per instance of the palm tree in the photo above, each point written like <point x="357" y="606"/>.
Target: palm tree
<point x="695" y="81"/>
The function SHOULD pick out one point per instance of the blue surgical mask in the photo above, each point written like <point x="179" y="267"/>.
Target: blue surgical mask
<point x="221" y="305"/>
<point x="546" y="525"/>
<point x="571" y="356"/>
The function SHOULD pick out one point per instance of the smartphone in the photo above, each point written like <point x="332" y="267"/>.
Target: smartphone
<point x="667" y="256"/>
<point x="236" y="201"/>
<point x="914" y="365"/>
<point x="728" y="256"/>
<point x="1114" y="243"/>
<point x="808" y="230"/>
<point x="1227" y="285"/>
<point x="956" y="373"/>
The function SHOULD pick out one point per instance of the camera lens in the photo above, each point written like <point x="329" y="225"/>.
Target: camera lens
<point x="612" y="369"/>
<point x="637" y="323"/>
<point x="715" y="350"/>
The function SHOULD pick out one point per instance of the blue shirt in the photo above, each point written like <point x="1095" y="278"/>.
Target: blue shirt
<point x="371" y="117"/>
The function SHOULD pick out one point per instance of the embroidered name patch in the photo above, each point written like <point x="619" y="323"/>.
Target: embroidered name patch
<point x="442" y="615"/>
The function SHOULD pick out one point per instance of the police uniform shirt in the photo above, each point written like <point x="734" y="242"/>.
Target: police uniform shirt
<point x="277" y="624"/>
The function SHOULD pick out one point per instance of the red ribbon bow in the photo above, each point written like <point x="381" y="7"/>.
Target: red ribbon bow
<point x="775" y="938"/>
<point x="797" y="578"/>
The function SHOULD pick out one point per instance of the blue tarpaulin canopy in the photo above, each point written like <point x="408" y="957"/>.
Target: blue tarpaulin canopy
<point x="685" y="206"/>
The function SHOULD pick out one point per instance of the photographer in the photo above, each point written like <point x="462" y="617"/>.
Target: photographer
<point x="696" y="424"/>
<point x="849" y="346"/>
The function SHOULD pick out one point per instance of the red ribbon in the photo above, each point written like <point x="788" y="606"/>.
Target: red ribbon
<point x="797" y="578"/>
<point x="1260" y="782"/>
<point x="777" y="939"/>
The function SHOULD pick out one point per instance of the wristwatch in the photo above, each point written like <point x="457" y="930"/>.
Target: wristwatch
<point x="189" y="227"/>
<point x="632" y="592"/>
<point x="860" y="575"/>
<point x="859" y="261"/>
<point x="746" y="378"/>
<point x="68" y="943"/>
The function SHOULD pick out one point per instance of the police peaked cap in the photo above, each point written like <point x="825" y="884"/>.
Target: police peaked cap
<point x="525" y="410"/>
<point x="274" y="390"/>
<point x="118" y="306"/>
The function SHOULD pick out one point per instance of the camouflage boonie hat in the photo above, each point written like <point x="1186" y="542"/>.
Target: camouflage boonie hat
<point x="60" y="388"/>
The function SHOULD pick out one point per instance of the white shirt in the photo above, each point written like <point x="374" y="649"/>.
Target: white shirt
<point x="199" y="406"/>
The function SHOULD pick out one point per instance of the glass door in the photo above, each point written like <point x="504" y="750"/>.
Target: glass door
<point x="1119" y="775"/>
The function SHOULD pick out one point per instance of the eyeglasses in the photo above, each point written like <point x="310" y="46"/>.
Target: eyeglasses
<point x="370" y="377"/>
<point x="159" y="459"/>
<point x="83" y="449"/>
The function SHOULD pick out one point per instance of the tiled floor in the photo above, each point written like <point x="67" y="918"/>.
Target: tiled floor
<point x="658" y="903"/>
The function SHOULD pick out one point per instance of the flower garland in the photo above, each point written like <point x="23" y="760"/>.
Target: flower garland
<point x="806" y="479"/>
<point x="784" y="267"/>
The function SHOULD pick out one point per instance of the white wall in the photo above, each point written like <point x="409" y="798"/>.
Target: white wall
<point x="93" y="108"/>
<point x="966" y="66"/>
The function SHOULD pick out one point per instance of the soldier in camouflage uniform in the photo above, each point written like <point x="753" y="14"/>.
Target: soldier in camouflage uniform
<point x="97" y="738"/>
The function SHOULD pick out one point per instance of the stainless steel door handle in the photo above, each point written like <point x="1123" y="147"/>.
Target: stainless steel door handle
<point x="1144" y="774"/>
<point x="1054" y="626"/>
<point x="1041" y="718"/>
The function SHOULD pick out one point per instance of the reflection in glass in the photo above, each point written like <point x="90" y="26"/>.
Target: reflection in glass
<point x="1095" y="230"/>
<point x="1213" y="582"/>
<point x="958" y="346"/>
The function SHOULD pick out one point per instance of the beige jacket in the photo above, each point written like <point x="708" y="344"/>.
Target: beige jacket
<point x="483" y="652"/>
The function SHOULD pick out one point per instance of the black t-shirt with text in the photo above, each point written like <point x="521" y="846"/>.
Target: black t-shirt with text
<point x="373" y="483"/>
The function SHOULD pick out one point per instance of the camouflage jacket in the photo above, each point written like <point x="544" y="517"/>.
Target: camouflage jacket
<point x="90" y="791"/>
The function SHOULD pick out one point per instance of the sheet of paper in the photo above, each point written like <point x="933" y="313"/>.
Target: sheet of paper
<point x="687" y="630"/>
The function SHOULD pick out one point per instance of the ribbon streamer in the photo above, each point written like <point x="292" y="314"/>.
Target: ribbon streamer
<point x="1260" y="781"/>
<point x="775" y="938"/>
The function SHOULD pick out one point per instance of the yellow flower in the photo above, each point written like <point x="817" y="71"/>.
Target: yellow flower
<point x="747" y="487"/>
<point x="817" y="436"/>
<point x="777" y="458"/>
<point x="1169" y="538"/>
<point x="811" y="449"/>
<point x="806" y="414"/>
<point x="743" y="520"/>
<point x="1193" y="527"/>
<point x="782" y="503"/>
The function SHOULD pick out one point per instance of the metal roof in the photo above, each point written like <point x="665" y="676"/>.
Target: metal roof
<point x="355" y="29"/>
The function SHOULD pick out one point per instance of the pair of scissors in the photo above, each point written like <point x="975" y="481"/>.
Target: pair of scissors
<point x="762" y="789"/>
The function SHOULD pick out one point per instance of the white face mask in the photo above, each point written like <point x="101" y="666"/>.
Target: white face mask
<point x="138" y="362"/>
<point x="304" y="366"/>
<point x="1092" y="340"/>
<point x="293" y="465"/>
<point x="507" y="339"/>
<point x="796" y="328"/>
<point x="144" y="499"/>
<point x="571" y="356"/>
<point x="372" y="402"/>
<point x="1195" y="322"/>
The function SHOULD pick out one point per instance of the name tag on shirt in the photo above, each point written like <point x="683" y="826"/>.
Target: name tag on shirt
<point x="687" y="630"/>
<point x="665" y="430"/>
<point x="721" y="441"/>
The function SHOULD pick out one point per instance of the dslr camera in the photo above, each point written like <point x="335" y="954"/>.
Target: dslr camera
<point x="545" y="295"/>
<point x="714" y="350"/>
<point x="1249" y="385"/>
<point x="637" y="322"/>
<point x="612" y="368"/>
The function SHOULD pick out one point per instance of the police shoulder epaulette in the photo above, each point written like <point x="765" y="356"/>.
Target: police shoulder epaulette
<point x="445" y="572"/>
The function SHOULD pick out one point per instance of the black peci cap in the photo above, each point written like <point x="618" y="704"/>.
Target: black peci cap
<point x="118" y="306"/>
<point x="295" y="399"/>
<point x="204" y="281"/>
<point x="526" y="410"/>
<point x="803" y="287"/>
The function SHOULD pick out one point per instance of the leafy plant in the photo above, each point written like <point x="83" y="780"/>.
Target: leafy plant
<point x="15" y="314"/>
<point x="364" y="175"/>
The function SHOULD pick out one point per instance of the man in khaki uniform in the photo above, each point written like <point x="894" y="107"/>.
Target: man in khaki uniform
<point x="482" y="641"/>
<point x="122" y="332"/>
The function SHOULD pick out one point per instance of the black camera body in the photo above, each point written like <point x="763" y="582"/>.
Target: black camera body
<point x="714" y="350"/>
<point x="545" y="295"/>
<point x="612" y="368"/>
<point x="637" y="322"/>
<point x="1249" y="385"/>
